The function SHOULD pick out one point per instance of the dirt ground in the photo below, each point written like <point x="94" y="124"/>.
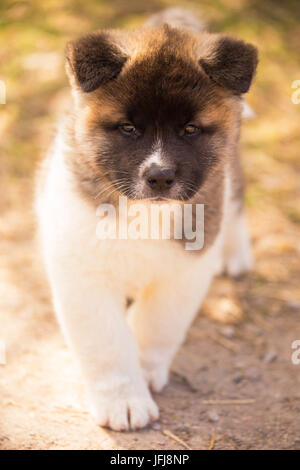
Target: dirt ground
<point x="233" y="384"/>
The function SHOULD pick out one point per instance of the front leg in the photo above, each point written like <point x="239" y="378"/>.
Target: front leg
<point x="161" y="316"/>
<point x="91" y="313"/>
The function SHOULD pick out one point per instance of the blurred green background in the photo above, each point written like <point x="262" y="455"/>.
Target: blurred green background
<point x="32" y="40"/>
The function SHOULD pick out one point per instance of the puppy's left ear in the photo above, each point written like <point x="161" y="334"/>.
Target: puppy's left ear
<point x="94" y="60"/>
<point x="231" y="63"/>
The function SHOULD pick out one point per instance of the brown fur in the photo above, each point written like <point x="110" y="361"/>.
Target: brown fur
<point x="161" y="79"/>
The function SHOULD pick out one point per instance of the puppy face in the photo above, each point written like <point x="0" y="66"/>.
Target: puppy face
<point x="157" y="110"/>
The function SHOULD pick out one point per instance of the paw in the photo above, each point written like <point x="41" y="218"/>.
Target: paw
<point x="239" y="262"/>
<point x="156" y="375"/>
<point x="237" y="253"/>
<point x="124" y="409"/>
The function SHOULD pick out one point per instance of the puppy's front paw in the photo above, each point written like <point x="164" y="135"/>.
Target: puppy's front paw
<point x="157" y="378"/>
<point x="128" y="408"/>
<point x="237" y="256"/>
<point x="239" y="262"/>
<point x="156" y="374"/>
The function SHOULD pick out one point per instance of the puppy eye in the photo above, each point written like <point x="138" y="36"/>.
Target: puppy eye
<point x="191" y="130"/>
<point x="127" y="128"/>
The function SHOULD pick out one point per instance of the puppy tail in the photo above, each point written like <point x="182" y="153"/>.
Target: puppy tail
<point x="178" y="18"/>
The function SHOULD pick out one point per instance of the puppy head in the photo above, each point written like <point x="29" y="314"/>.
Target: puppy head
<point x="157" y="111"/>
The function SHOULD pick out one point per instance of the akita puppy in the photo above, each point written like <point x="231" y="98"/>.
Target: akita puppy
<point x="156" y="117"/>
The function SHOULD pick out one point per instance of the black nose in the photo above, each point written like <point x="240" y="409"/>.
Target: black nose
<point x="160" y="178"/>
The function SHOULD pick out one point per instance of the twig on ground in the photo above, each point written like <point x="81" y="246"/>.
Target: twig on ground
<point x="224" y="342"/>
<point x="212" y="443"/>
<point x="247" y="401"/>
<point x="169" y="433"/>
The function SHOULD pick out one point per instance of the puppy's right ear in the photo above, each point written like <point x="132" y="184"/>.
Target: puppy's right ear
<point x="93" y="60"/>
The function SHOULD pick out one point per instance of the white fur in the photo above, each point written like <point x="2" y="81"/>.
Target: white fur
<point x="91" y="279"/>
<point x="154" y="158"/>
